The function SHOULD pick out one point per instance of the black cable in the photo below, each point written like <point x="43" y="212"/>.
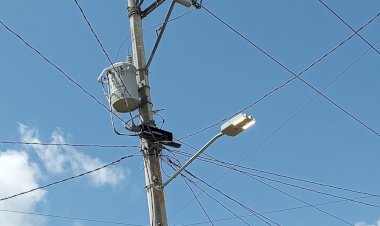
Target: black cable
<point x="92" y="31"/>
<point x="56" y="67"/>
<point x="211" y="197"/>
<point x="108" y="58"/>
<point x="173" y="166"/>
<point x="300" y="200"/>
<point x="286" y="122"/>
<point x="254" y="176"/>
<point x="213" y="160"/>
<point x="69" y="145"/>
<point x="299" y="179"/>
<point x="69" y="218"/>
<point x="304" y="188"/>
<point x="225" y="207"/>
<point x="314" y="191"/>
<point x="68" y="178"/>
<point x="288" y="81"/>
<point x="272" y="211"/>
<point x="306" y="203"/>
<point x="235" y="167"/>
<point x="258" y="215"/>
<point x="341" y="19"/>
<point x="199" y="202"/>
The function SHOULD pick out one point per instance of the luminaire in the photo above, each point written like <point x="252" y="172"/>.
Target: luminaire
<point x="237" y="124"/>
<point x="232" y="127"/>
<point x="184" y="3"/>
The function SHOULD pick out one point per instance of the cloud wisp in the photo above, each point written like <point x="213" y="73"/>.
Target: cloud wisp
<point x="63" y="159"/>
<point x="18" y="174"/>
<point x="365" y="224"/>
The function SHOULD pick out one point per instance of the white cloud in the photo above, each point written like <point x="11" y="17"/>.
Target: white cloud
<point x="60" y="159"/>
<point x="365" y="224"/>
<point x="18" y="174"/>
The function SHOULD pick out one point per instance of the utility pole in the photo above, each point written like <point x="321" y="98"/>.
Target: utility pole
<point x="153" y="178"/>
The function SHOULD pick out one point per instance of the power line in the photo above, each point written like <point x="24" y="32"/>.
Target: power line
<point x="300" y="187"/>
<point x="279" y="128"/>
<point x="109" y="60"/>
<point x="92" y="31"/>
<point x="298" y="199"/>
<point x="306" y="203"/>
<point x="258" y="215"/>
<point x="230" y="166"/>
<point x="68" y="178"/>
<point x="57" y="68"/>
<point x="272" y="211"/>
<point x="69" y="145"/>
<point x="211" y="197"/>
<point x="289" y="177"/>
<point x="196" y="198"/>
<point x="240" y="169"/>
<point x="341" y="19"/>
<point x="68" y="217"/>
<point x="296" y="76"/>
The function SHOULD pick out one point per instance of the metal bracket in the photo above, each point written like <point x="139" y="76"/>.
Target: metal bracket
<point x="160" y="33"/>
<point x="142" y="83"/>
<point x="196" y="4"/>
<point x="150" y="8"/>
<point x="159" y="136"/>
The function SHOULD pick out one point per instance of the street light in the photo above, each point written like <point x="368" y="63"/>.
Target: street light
<point x="232" y="127"/>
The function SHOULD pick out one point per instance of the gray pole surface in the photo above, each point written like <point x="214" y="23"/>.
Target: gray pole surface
<point x="156" y="199"/>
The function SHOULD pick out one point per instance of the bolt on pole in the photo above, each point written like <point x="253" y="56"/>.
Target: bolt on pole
<point x="153" y="177"/>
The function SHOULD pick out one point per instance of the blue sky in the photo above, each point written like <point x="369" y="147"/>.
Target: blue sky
<point x="202" y="73"/>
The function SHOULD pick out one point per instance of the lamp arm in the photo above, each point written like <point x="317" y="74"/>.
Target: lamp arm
<point x="200" y="151"/>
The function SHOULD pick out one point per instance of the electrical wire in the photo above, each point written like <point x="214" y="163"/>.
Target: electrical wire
<point x="270" y="212"/>
<point x="261" y="217"/>
<point x="68" y="178"/>
<point x="203" y="191"/>
<point x="199" y="202"/>
<point x="211" y="197"/>
<point x="241" y="169"/>
<point x="258" y="215"/>
<point x="155" y="26"/>
<point x="225" y="207"/>
<point x="69" y="218"/>
<point x="341" y="19"/>
<point x="344" y="199"/>
<point x="55" y="66"/>
<point x="279" y="128"/>
<point x="69" y="145"/>
<point x="289" y="177"/>
<point x="107" y="56"/>
<point x="288" y="81"/>
<point x="253" y="176"/>
<point x="306" y="203"/>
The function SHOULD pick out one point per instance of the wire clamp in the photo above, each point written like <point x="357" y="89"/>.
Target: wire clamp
<point x="133" y="11"/>
<point x="196" y="4"/>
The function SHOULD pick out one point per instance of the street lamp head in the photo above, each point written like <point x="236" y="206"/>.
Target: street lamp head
<point x="185" y="3"/>
<point x="237" y="124"/>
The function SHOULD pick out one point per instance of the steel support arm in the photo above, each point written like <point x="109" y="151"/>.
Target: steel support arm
<point x="200" y="151"/>
<point x="150" y="8"/>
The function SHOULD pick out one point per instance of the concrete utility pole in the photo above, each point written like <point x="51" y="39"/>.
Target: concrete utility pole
<point x="156" y="199"/>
